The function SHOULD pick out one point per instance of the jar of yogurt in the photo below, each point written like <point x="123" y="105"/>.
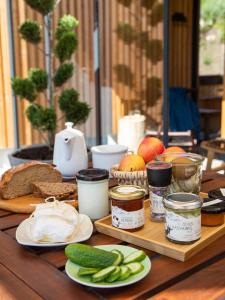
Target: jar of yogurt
<point x="92" y="187"/>
<point x="182" y="217"/>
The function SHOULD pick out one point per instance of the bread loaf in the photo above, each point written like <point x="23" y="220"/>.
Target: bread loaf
<point x="18" y="180"/>
<point x="60" y="190"/>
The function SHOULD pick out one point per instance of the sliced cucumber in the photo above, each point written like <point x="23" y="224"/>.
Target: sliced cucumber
<point x="101" y="275"/>
<point x="125" y="273"/>
<point x="135" y="267"/>
<point x="120" y="258"/>
<point x="114" y="276"/>
<point x="87" y="271"/>
<point x="135" y="256"/>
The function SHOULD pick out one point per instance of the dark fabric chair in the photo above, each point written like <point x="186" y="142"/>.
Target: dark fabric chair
<point x="184" y="113"/>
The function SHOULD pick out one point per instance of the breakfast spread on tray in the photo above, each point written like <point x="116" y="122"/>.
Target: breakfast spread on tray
<point x="171" y="217"/>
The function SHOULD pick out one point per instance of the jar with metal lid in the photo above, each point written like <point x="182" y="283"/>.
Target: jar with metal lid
<point x="183" y="217"/>
<point x="92" y="187"/>
<point x="127" y="207"/>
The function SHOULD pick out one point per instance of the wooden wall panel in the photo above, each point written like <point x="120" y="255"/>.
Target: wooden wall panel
<point x="134" y="69"/>
<point x="181" y="44"/>
<point x="6" y="112"/>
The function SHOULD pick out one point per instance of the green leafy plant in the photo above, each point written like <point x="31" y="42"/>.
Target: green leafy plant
<point x="30" y="31"/>
<point x="44" y="118"/>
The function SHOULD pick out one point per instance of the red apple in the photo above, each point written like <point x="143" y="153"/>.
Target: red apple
<point x="174" y="149"/>
<point x="149" y="148"/>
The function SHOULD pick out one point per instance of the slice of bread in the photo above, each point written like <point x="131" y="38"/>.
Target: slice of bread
<point x="60" y="190"/>
<point x="18" y="180"/>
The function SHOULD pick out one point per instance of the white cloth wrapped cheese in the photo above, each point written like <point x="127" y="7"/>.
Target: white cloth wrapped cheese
<point x="53" y="222"/>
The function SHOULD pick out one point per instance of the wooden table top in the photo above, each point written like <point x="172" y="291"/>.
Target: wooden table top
<point x="34" y="273"/>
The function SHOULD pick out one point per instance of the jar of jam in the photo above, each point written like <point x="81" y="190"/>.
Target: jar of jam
<point x="127" y="207"/>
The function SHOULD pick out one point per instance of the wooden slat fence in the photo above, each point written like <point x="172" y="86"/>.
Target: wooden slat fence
<point x="131" y="37"/>
<point x="6" y="112"/>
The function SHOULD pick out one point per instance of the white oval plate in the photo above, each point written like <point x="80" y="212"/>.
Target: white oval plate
<point x="84" y="233"/>
<point x="72" y="270"/>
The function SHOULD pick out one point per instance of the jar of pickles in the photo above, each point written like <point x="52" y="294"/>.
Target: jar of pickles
<point x="183" y="217"/>
<point x="127" y="207"/>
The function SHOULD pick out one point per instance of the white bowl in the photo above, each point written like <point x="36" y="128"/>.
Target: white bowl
<point x="105" y="156"/>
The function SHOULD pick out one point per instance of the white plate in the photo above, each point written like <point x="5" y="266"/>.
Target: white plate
<point x="84" y="233"/>
<point x="72" y="270"/>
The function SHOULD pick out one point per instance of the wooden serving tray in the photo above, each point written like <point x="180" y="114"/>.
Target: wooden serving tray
<point x="23" y="204"/>
<point x="152" y="237"/>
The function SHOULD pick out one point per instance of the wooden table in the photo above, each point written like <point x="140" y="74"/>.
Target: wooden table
<point x="29" y="273"/>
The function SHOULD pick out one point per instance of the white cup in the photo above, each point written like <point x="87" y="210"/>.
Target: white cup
<point x="106" y="156"/>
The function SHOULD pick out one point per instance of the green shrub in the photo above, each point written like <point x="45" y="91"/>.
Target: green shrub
<point x="75" y="111"/>
<point x="66" y="45"/>
<point x="44" y="118"/>
<point x="63" y="73"/>
<point x="42" y="6"/>
<point x="30" y="31"/>
<point x="39" y="78"/>
<point x="24" y="88"/>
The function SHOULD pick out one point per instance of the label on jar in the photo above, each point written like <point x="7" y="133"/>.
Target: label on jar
<point x="181" y="228"/>
<point x="127" y="219"/>
<point x="156" y="203"/>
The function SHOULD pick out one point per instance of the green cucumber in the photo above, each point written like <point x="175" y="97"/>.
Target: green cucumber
<point x="90" y="257"/>
<point x="120" y="257"/>
<point x="135" y="267"/>
<point x="125" y="273"/>
<point x="135" y="256"/>
<point x="114" y="276"/>
<point x="101" y="275"/>
<point x="87" y="271"/>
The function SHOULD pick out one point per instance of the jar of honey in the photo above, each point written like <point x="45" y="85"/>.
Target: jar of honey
<point x="127" y="207"/>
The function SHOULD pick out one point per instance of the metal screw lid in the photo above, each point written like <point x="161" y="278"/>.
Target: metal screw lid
<point x="185" y="201"/>
<point x="126" y="192"/>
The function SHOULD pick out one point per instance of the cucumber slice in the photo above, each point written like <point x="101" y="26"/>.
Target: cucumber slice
<point x="101" y="275"/>
<point x="87" y="271"/>
<point x="114" y="276"/>
<point x="120" y="259"/>
<point x="125" y="273"/>
<point x="135" y="267"/>
<point x="135" y="256"/>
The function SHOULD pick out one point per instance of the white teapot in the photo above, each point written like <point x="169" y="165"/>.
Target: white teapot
<point x="70" y="151"/>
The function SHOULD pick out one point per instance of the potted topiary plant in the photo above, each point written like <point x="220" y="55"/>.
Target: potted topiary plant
<point x="44" y="118"/>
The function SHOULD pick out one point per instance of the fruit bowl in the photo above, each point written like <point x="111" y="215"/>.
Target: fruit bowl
<point x="130" y="178"/>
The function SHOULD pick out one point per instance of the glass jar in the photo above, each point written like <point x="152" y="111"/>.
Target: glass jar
<point x="183" y="217"/>
<point x="127" y="207"/>
<point x="186" y="171"/>
<point x="159" y="178"/>
<point x="92" y="186"/>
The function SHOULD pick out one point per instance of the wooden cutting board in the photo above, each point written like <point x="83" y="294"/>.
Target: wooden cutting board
<point x="152" y="237"/>
<point x="23" y="204"/>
